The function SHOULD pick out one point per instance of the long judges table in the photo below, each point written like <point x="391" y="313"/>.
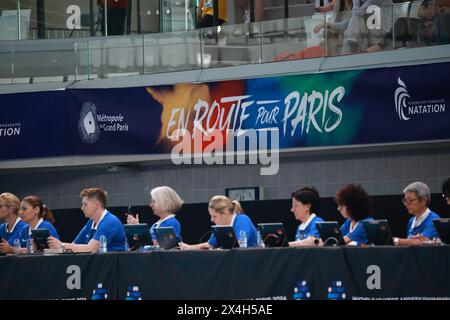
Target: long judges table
<point x="421" y="272"/>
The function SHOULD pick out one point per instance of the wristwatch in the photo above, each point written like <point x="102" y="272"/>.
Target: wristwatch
<point x="63" y="246"/>
<point x="395" y="241"/>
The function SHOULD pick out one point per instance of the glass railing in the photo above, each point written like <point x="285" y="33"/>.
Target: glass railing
<point x="319" y="35"/>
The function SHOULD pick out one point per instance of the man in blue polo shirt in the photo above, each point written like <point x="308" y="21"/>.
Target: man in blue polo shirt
<point x="420" y="227"/>
<point x="101" y="223"/>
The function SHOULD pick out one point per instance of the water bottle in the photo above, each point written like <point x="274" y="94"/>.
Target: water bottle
<point x="102" y="244"/>
<point x="243" y="239"/>
<point x="30" y="247"/>
<point x="259" y="240"/>
<point x="17" y="246"/>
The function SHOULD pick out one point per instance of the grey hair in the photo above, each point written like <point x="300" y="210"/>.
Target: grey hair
<point x="420" y="189"/>
<point x="167" y="198"/>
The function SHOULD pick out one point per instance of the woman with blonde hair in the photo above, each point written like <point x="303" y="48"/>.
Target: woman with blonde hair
<point x="10" y="230"/>
<point x="222" y="212"/>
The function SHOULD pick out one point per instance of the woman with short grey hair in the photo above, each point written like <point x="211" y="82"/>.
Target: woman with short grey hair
<point x="165" y="202"/>
<point x="420" y="227"/>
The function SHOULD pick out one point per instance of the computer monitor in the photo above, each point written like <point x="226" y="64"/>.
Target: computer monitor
<point x="330" y="233"/>
<point x="273" y="234"/>
<point x="40" y="238"/>
<point x="443" y="228"/>
<point x="226" y="239"/>
<point x="166" y="237"/>
<point x="137" y="235"/>
<point x="378" y="232"/>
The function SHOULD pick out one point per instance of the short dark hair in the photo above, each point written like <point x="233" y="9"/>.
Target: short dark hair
<point x="446" y="187"/>
<point x="95" y="193"/>
<point x="308" y="195"/>
<point x="356" y="199"/>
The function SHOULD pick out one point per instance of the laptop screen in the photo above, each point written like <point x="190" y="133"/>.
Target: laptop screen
<point x="378" y="232"/>
<point x="166" y="237"/>
<point x="330" y="233"/>
<point x="273" y="234"/>
<point x="226" y="239"/>
<point x="137" y="235"/>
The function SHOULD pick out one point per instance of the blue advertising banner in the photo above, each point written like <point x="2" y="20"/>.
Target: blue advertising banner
<point x="385" y="105"/>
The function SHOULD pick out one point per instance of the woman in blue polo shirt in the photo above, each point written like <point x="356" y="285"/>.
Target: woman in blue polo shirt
<point x="420" y="226"/>
<point x="222" y="212"/>
<point x="10" y="230"/>
<point x="37" y="216"/>
<point x="305" y="203"/>
<point x="165" y="202"/>
<point x="354" y="204"/>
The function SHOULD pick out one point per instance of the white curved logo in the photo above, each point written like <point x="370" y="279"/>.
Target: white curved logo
<point x="401" y="94"/>
<point x="87" y="125"/>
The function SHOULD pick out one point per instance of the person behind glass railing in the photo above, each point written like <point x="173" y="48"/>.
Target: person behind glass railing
<point x="335" y="29"/>
<point x="360" y="35"/>
<point x="442" y="21"/>
<point x="101" y="223"/>
<point x="10" y="230"/>
<point x="421" y="229"/>
<point x="165" y="202"/>
<point x="222" y="212"/>
<point x="354" y="204"/>
<point x="305" y="203"/>
<point x="37" y="216"/>
<point x="205" y="13"/>
<point x="446" y="190"/>
<point x="116" y="11"/>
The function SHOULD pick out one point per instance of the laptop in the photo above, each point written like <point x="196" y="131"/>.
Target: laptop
<point x="273" y="234"/>
<point x="166" y="237"/>
<point x="40" y="238"/>
<point x="378" y="232"/>
<point x="226" y="239"/>
<point x="330" y="233"/>
<point x="443" y="228"/>
<point x="137" y="235"/>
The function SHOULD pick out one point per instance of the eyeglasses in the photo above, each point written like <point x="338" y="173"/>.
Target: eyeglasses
<point x="408" y="201"/>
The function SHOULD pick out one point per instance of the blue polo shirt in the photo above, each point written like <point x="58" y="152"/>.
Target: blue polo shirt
<point x="170" y="221"/>
<point x="425" y="227"/>
<point x="109" y="226"/>
<point x="358" y="234"/>
<point x="309" y="228"/>
<point x="14" y="234"/>
<point x="25" y="233"/>
<point x="240" y="222"/>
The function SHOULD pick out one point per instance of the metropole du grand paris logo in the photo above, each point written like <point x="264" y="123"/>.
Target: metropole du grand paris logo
<point x="87" y="125"/>
<point x="407" y="107"/>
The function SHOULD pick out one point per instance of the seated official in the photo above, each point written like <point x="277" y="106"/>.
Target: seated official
<point x="420" y="227"/>
<point x="10" y="230"/>
<point x="37" y="216"/>
<point x="446" y="190"/>
<point x="165" y="202"/>
<point x="354" y="204"/>
<point x="305" y="203"/>
<point x="221" y="210"/>
<point x="101" y="223"/>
